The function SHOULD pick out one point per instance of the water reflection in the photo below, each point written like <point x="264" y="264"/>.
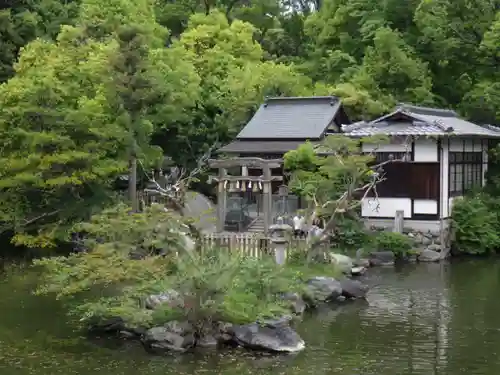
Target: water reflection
<point x="426" y="319"/>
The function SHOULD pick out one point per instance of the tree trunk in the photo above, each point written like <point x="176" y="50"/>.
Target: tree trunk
<point x="132" y="183"/>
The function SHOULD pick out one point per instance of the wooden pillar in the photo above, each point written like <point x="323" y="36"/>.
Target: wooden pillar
<point x="221" y="200"/>
<point x="267" y="198"/>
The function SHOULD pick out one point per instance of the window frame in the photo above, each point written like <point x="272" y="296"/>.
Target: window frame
<point x="465" y="172"/>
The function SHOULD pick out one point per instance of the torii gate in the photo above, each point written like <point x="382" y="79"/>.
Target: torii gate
<point x="263" y="183"/>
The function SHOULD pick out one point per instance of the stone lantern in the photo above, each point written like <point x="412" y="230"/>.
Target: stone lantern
<point x="280" y="235"/>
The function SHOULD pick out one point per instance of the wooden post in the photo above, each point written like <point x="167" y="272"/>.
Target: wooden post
<point x="221" y="200"/>
<point x="267" y="198"/>
<point x="399" y="221"/>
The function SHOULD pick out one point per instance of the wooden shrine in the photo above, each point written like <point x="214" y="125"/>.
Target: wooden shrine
<point x="245" y="182"/>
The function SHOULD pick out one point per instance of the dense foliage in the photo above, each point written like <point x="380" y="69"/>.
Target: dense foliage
<point x="332" y="178"/>
<point x="399" y="243"/>
<point x="476" y="224"/>
<point x="131" y="256"/>
<point x="89" y="85"/>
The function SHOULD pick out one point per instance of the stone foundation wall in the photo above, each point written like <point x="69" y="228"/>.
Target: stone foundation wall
<point x="430" y="240"/>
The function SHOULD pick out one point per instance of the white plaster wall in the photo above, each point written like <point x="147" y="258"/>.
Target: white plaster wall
<point x="425" y="206"/>
<point x="385" y="207"/>
<point x="426" y="150"/>
<point x="467" y="145"/>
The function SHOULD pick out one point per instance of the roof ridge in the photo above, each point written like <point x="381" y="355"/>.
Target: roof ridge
<point x="293" y="117"/>
<point x="354" y="126"/>
<point x="406" y="110"/>
<point x="491" y="127"/>
<point x="304" y="98"/>
<point x="440" y="112"/>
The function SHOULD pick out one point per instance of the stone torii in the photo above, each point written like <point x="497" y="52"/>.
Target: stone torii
<point x="263" y="181"/>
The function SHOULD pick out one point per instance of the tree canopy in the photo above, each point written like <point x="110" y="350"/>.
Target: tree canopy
<point x="85" y="84"/>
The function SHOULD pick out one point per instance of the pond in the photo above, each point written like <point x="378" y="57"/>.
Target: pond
<point x="421" y="319"/>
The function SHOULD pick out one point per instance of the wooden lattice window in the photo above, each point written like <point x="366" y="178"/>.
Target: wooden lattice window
<point x="465" y="172"/>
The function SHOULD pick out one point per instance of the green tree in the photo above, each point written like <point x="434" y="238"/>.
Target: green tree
<point x="333" y="178"/>
<point x="234" y="80"/>
<point x="75" y="113"/>
<point x="449" y="38"/>
<point x="22" y="21"/>
<point x="125" y="253"/>
<point x="57" y="155"/>
<point x="392" y="69"/>
<point x="129" y="256"/>
<point x="482" y="102"/>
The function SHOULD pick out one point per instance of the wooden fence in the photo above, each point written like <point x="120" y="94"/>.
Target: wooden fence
<point x="248" y="243"/>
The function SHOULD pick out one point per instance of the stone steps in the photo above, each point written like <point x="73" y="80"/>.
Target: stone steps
<point x="257" y="226"/>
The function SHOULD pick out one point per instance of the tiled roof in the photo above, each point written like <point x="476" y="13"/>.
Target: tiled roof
<point x="420" y="121"/>
<point x="257" y="147"/>
<point x="292" y="118"/>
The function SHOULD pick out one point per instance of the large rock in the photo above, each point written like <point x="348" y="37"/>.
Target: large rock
<point x="274" y="336"/>
<point x="343" y="262"/>
<point x="296" y="303"/>
<point x="381" y="258"/>
<point x="434" y="247"/>
<point x="107" y="325"/>
<point x="353" y="288"/>
<point x="199" y="207"/>
<point x="220" y="333"/>
<point x="322" y="289"/>
<point x="361" y="262"/>
<point x="171" y="297"/>
<point x="115" y="326"/>
<point x="428" y="255"/>
<point x="358" y="271"/>
<point x="173" y="336"/>
<point x="223" y="332"/>
<point x="207" y="340"/>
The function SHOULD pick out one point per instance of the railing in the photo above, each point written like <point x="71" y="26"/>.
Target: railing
<point x="249" y="244"/>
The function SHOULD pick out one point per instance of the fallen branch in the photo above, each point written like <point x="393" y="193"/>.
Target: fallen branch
<point x="174" y="184"/>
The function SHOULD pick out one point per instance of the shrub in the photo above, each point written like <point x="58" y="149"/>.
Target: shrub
<point x="398" y="243"/>
<point x="110" y="280"/>
<point x="222" y="285"/>
<point x="475" y="224"/>
<point x="350" y="234"/>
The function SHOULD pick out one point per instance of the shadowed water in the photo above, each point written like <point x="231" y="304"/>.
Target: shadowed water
<point x="422" y="319"/>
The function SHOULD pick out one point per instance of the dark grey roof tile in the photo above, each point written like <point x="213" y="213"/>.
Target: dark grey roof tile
<point x="421" y="121"/>
<point x="292" y="118"/>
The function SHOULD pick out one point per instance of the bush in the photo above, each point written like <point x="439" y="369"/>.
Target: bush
<point x="110" y="279"/>
<point x="475" y="223"/>
<point x="350" y="234"/>
<point x="219" y="285"/>
<point x="398" y="243"/>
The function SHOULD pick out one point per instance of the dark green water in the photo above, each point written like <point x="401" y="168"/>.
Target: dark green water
<point x="426" y="319"/>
